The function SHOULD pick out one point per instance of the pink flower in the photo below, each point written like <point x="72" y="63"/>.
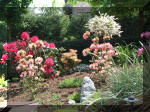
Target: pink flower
<point x="11" y="47"/>
<point x="94" y="39"/>
<point x="38" y="60"/>
<point x="34" y="39"/>
<point x="85" y="36"/>
<point x="23" y="74"/>
<point x="25" y="36"/>
<point x="18" y="68"/>
<point x="39" y="44"/>
<point x="145" y="34"/>
<point x="56" y="75"/>
<point x="106" y="57"/>
<point x="49" y="62"/>
<point x="97" y="46"/>
<point x="31" y="73"/>
<point x="140" y="50"/>
<point x="91" y="66"/>
<point x="46" y="44"/>
<point x="102" y="46"/>
<point x="31" y="66"/>
<point x="4" y="56"/>
<point x="95" y="52"/>
<point x="92" y="47"/>
<point x="31" y="61"/>
<point x="84" y="53"/>
<point x="111" y="53"/>
<point x="52" y="45"/>
<point x="49" y="45"/>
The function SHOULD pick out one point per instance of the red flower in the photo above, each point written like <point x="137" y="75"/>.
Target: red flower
<point x="53" y="77"/>
<point x="3" y="61"/>
<point x="48" y="69"/>
<point x="30" y="53"/>
<point x="23" y="44"/>
<point x="49" y="62"/>
<point x="25" y="36"/>
<point x="11" y="47"/>
<point x="12" y="61"/>
<point x="34" y="39"/>
<point x="4" y="56"/>
<point x="17" y="57"/>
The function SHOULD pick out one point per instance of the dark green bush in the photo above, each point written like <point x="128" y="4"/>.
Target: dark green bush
<point x="3" y="32"/>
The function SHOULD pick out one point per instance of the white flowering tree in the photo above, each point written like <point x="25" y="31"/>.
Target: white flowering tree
<point x="104" y="25"/>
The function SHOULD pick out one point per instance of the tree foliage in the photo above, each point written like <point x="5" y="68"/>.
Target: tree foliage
<point x="11" y="12"/>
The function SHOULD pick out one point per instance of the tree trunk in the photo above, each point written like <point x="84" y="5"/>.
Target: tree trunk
<point x="9" y="32"/>
<point x="140" y="20"/>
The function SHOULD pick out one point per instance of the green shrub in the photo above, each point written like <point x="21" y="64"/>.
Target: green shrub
<point x="75" y="96"/>
<point x="127" y="81"/>
<point x="127" y="54"/>
<point x="71" y="82"/>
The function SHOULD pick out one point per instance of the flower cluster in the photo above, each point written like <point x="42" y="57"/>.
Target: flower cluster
<point x="70" y="59"/>
<point x="30" y="66"/>
<point x="31" y="56"/>
<point x="145" y="35"/>
<point x="104" y="25"/>
<point x="102" y="56"/>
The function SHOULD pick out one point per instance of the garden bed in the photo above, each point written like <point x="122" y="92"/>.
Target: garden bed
<point x="52" y="93"/>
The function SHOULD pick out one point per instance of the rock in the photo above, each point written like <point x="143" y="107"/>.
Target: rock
<point x="71" y="101"/>
<point x="87" y="90"/>
<point x="3" y="104"/>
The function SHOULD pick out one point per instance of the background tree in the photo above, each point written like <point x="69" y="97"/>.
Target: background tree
<point x="119" y="8"/>
<point x="11" y="12"/>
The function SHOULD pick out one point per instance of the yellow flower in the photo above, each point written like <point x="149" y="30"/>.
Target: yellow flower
<point x="2" y="79"/>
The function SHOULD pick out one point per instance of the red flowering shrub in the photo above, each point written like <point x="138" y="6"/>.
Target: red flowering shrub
<point x="33" y="59"/>
<point x="32" y="56"/>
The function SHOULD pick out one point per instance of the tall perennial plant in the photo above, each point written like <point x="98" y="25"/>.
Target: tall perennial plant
<point x="103" y="26"/>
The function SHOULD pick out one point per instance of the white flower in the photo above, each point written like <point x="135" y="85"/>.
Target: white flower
<point x="104" y="25"/>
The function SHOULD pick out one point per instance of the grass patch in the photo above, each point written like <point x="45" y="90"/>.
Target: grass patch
<point x="55" y="97"/>
<point x="97" y="95"/>
<point x="127" y="81"/>
<point x="71" y="82"/>
<point x="67" y="110"/>
<point x="75" y="96"/>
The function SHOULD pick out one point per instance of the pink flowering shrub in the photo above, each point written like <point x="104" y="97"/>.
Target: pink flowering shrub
<point x="103" y="26"/>
<point x="101" y="56"/>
